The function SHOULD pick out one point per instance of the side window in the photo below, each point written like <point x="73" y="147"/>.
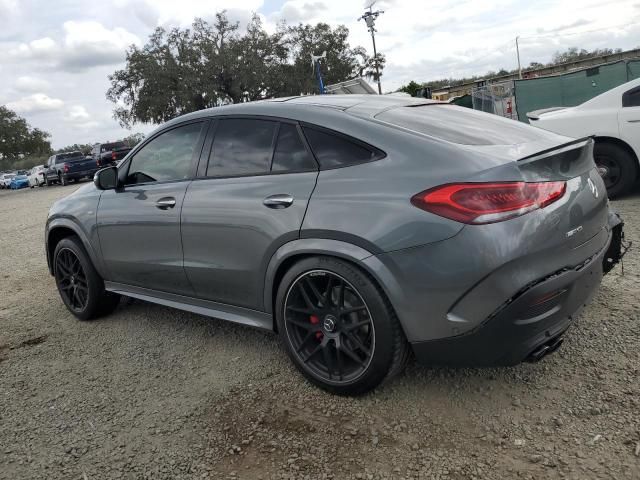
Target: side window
<point x="631" y="98"/>
<point x="336" y="151"/>
<point x="241" y="147"/>
<point x="291" y="154"/>
<point x="166" y="157"/>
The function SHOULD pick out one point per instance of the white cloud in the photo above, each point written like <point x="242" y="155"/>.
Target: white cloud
<point x="27" y="83"/>
<point x="85" y="44"/>
<point x="35" y="103"/>
<point x="77" y="113"/>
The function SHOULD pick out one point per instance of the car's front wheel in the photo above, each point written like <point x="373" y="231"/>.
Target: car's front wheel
<point x="338" y="327"/>
<point x="79" y="284"/>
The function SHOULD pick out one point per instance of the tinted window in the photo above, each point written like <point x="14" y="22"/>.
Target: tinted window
<point x="291" y="154"/>
<point x="631" y="98"/>
<point x="460" y="125"/>
<point x="336" y="151"/>
<point x="166" y="157"/>
<point x="241" y="147"/>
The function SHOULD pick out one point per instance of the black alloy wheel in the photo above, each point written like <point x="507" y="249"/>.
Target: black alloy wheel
<point x="609" y="171"/>
<point x="72" y="280"/>
<point x="329" y="326"/>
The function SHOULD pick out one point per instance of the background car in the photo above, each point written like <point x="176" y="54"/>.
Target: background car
<point x="110" y="153"/>
<point x="5" y="179"/>
<point x="37" y="176"/>
<point x="19" y="181"/>
<point x="358" y="227"/>
<point x="613" y="119"/>
<point x="67" y="166"/>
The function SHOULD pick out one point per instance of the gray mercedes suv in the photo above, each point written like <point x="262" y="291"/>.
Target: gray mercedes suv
<point x="361" y="229"/>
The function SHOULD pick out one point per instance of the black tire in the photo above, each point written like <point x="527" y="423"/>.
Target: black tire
<point x="387" y="350"/>
<point x="620" y="168"/>
<point x="95" y="301"/>
<point x="63" y="181"/>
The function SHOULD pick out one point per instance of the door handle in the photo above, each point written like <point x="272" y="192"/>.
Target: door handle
<point x="166" y="203"/>
<point x="634" y="121"/>
<point x="280" y="200"/>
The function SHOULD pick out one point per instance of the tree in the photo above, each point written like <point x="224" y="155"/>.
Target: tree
<point x="133" y="139"/>
<point x="411" y="88"/>
<point x="211" y="64"/>
<point x="85" y="148"/>
<point x="19" y="141"/>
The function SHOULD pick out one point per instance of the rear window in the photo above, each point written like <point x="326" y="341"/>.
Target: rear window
<point x="107" y="147"/>
<point x="64" y="156"/>
<point x="460" y="125"/>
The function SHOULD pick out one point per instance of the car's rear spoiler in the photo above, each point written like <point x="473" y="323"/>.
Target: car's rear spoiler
<point x="563" y="147"/>
<point x="535" y="115"/>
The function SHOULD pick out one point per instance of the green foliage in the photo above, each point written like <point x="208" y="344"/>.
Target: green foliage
<point x="211" y="64"/>
<point x="133" y="139"/>
<point x="76" y="147"/>
<point x="570" y="55"/>
<point x="19" y="143"/>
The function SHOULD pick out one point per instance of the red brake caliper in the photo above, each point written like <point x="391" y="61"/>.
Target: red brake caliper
<point x="314" y="321"/>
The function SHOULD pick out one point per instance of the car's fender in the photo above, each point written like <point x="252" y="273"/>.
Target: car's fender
<point x="70" y="224"/>
<point x="335" y="248"/>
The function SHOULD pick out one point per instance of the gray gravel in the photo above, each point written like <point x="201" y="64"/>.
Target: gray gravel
<point x="151" y="392"/>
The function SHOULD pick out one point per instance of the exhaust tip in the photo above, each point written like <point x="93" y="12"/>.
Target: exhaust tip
<point x="545" y="349"/>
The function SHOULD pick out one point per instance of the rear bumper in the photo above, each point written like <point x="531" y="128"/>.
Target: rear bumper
<point x="536" y="316"/>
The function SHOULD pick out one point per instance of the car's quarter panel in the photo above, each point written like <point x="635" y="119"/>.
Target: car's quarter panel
<point x="229" y="235"/>
<point x="140" y="242"/>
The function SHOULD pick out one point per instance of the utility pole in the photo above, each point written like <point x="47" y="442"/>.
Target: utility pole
<point x="370" y="19"/>
<point x="518" y="53"/>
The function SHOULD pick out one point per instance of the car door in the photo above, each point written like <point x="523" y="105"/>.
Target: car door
<point x="629" y="118"/>
<point x="250" y="199"/>
<point x="139" y="224"/>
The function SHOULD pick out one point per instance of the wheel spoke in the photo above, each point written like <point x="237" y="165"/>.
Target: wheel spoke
<point x="63" y="269"/>
<point x="301" y="324"/>
<point x="327" y="292"/>
<point x="305" y="295"/>
<point x="351" y="354"/>
<point x="339" y="362"/>
<point x="306" y="311"/>
<point x="347" y="311"/>
<point x="316" y="292"/>
<point x="313" y="352"/>
<point x="328" y="361"/>
<point x="340" y="302"/>
<point x="304" y="341"/>
<point x="355" y="325"/>
<point x="354" y="338"/>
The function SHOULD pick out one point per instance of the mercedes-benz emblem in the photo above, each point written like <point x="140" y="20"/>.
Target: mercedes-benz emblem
<point x="329" y="324"/>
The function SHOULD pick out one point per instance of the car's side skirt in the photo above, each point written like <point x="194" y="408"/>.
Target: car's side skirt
<point x="244" y="316"/>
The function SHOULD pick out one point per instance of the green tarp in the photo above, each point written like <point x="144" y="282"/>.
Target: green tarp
<point x="573" y="88"/>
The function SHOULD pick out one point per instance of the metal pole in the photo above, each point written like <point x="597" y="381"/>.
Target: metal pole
<point x="375" y="56"/>
<point x="518" y="53"/>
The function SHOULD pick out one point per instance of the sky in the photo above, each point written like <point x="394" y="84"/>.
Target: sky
<point x="56" y="55"/>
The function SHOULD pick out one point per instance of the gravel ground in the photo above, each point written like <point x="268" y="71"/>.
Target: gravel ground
<point x="151" y="392"/>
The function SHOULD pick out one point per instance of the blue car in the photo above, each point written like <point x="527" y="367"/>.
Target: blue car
<point x="19" y="181"/>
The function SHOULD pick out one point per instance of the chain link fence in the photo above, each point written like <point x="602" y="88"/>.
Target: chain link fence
<point x="497" y="98"/>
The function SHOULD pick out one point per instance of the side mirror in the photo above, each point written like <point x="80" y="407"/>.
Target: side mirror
<point x="106" y="179"/>
<point x="45" y="166"/>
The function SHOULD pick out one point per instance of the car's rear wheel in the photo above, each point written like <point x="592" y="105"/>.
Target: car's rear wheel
<point x="617" y="167"/>
<point x="79" y="284"/>
<point x="338" y="327"/>
<point x="63" y="181"/>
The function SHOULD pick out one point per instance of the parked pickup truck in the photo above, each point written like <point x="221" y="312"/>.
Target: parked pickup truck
<point x="63" y="167"/>
<point x="106" y="154"/>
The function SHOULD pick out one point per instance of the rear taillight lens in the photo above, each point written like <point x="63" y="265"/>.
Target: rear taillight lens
<point x="65" y="167"/>
<point x="479" y="203"/>
<point x="113" y="156"/>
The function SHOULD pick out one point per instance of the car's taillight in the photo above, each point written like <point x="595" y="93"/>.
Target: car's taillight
<point x="113" y="156"/>
<point x="65" y="167"/>
<point x="98" y="162"/>
<point x="479" y="203"/>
